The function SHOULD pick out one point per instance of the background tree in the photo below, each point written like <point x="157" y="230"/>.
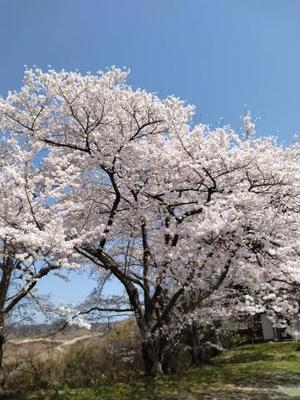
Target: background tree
<point x="28" y="232"/>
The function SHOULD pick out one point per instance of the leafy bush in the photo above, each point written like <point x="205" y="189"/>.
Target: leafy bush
<point x="86" y="363"/>
<point x="36" y="372"/>
<point x="112" y="357"/>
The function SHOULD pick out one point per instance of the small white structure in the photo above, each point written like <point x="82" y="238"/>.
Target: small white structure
<point x="270" y="332"/>
<point x="294" y="330"/>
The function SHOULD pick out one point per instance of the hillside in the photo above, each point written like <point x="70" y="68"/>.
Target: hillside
<point x="42" y="342"/>
<point x="258" y="372"/>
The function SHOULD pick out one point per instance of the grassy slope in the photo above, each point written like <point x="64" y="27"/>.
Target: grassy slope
<point x="246" y="372"/>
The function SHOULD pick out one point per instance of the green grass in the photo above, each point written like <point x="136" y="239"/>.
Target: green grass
<point x="246" y="372"/>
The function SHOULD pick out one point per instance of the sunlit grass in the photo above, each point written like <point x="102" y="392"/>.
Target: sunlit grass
<point x="246" y="372"/>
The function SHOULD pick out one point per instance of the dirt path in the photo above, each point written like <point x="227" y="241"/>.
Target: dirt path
<point x="279" y="392"/>
<point x="61" y="342"/>
<point x="75" y="340"/>
<point x="289" y="391"/>
<point x="33" y="340"/>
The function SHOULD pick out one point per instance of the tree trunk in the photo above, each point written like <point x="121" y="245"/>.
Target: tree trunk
<point x="200" y="349"/>
<point x="2" y="344"/>
<point x="198" y="355"/>
<point x="170" y="362"/>
<point x="152" y="357"/>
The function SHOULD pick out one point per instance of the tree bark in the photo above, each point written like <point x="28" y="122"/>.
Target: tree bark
<point x="198" y="356"/>
<point x="152" y="356"/>
<point x="2" y="344"/>
<point x="170" y="362"/>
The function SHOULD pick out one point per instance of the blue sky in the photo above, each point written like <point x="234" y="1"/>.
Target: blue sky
<point x="216" y="54"/>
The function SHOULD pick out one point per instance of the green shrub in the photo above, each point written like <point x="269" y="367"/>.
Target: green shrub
<point x="114" y="356"/>
<point x="36" y="372"/>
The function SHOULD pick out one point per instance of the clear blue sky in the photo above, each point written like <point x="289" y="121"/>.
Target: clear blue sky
<point x="216" y="54"/>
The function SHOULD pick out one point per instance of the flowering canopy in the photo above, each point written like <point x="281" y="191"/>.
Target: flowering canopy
<point x="178" y="213"/>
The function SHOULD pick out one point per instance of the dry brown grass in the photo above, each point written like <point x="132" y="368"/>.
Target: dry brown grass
<point x="19" y="349"/>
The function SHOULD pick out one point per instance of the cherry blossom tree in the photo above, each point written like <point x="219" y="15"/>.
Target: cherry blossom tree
<point x="178" y="213"/>
<point x="28" y="231"/>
